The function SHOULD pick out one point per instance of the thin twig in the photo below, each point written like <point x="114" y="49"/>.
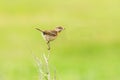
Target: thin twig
<point x="47" y="66"/>
<point x="39" y="64"/>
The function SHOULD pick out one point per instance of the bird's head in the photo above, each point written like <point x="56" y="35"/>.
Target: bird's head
<point x="59" y="29"/>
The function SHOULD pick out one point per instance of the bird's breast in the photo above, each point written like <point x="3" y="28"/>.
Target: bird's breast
<point x="49" y="37"/>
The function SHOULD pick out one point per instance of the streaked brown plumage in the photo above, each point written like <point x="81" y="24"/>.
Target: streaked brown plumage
<point x="50" y="35"/>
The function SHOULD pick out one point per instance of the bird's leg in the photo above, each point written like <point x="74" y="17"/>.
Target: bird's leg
<point x="48" y="43"/>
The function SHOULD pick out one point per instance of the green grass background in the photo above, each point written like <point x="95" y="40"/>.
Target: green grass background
<point x="88" y="49"/>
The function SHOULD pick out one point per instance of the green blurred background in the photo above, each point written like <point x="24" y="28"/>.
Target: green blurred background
<point x="88" y="49"/>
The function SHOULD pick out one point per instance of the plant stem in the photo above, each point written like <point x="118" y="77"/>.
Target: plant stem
<point x="47" y="65"/>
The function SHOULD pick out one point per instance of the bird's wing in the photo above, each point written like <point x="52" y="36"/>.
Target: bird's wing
<point x="50" y="33"/>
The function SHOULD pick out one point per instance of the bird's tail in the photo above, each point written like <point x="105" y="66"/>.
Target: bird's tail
<point x="39" y="29"/>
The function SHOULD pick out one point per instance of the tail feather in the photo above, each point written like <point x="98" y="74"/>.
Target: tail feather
<point x="39" y="29"/>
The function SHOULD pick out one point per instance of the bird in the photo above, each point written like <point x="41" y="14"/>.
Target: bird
<point x="50" y="35"/>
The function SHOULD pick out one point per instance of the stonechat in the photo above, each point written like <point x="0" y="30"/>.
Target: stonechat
<point x="50" y="35"/>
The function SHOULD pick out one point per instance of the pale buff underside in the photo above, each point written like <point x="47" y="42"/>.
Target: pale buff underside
<point x="49" y="38"/>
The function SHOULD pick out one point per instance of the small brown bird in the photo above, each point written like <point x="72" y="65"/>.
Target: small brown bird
<point x="50" y="35"/>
